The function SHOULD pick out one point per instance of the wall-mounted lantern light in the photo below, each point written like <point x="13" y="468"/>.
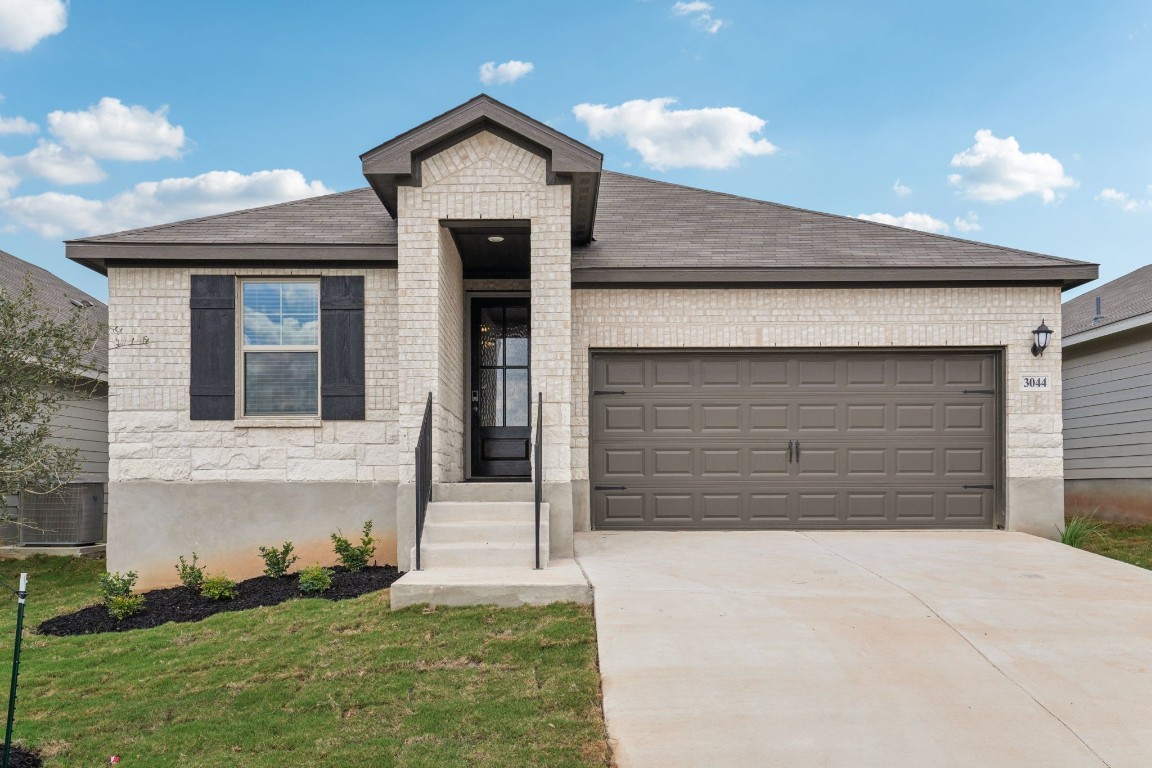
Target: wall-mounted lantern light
<point x="1043" y="336"/>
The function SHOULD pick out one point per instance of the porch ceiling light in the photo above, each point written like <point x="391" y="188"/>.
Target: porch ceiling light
<point x="495" y="239"/>
<point x="1043" y="336"/>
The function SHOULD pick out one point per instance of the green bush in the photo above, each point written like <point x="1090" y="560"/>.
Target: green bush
<point x="354" y="558"/>
<point x="1079" y="530"/>
<point x="117" y="585"/>
<point x="219" y="588"/>
<point x="191" y="575"/>
<point x="278" y="561"/>
<point x="121" y="607"/>
<point x="315" y="578"/>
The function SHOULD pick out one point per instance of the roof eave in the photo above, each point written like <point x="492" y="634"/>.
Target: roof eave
<point x="99" y="256"/>
<point x="1111" y="329"/>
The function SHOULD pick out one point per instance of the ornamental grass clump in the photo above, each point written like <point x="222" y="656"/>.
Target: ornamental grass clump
<point x="191" y="574"/>
<point x="355" y="557"/>
<point x="315" y="579"/>
<point x="116" y="589"/>
<point x="278" y="561"/>
<point x="1079" y="530"/>
<point x="219" y="588"/>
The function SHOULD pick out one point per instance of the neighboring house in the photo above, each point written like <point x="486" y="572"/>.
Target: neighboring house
<point x="706" y="361"/>
<point x="75" y="515"/>
<point x="1108" y="400"/>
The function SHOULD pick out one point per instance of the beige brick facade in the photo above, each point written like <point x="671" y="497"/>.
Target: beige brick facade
<point x="846" y="318"/>
<point x="151" y="436"/>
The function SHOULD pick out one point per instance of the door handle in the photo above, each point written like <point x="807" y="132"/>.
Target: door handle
<point x="797" y="451"/>
<point x="789" y="451"/>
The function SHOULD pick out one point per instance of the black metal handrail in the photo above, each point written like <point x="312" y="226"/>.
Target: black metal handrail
<point x="538" y="467"/>
<point x="423" y="474"/>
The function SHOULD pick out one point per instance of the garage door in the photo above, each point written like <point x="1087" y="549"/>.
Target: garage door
<point x="743" y="440"/>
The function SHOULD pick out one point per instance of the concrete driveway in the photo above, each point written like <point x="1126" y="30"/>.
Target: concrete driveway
<point x="926" y="650"/>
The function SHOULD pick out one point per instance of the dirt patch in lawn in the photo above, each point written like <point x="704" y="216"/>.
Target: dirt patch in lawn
<point x="180" y="604"/>
<point x="23" y="759"/>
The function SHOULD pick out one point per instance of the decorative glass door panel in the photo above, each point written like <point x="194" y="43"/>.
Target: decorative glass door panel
<point x="500" y="397"/>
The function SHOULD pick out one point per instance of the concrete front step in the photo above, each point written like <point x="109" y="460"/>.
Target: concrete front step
<point x="481" y="511"/>
<point x="515" y="491"/>
<point x="561" y="582"/>
<point x="483" y="532"/>
<point x="481" y="555"/>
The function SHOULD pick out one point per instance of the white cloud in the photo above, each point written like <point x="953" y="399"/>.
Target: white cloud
<point x="9" y="178"/>
<point x="701" y="14"/>
<point x="9" y="125"/>
<point x="54" y="215"/>
<point x="1124" y="201"/>
<point x="995" y="170"/>
<point x="23" y="23"/>
<point x="967" y="224"/>
<point x="901" y="190"/>
<point x="678" y="138"/>
<point x="910" y="220"/>
<point x="508" y="72"/>
<point x="114" y="131"/>
<point x="59" y="165"/>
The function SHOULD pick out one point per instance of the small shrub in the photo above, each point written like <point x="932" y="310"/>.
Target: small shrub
<point x="121" y="607"/>
<point x="218" y="588"/>
<point x="1079" y="530"/>
<point x="278" y="561"/>
<point x="315" y="578"/>
<point x="191" y="575"/>
<point x="354" y="558"/>
<point x="117" y="585"/>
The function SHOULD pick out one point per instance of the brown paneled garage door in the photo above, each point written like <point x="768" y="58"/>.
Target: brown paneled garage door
<point x="749" y="439"/>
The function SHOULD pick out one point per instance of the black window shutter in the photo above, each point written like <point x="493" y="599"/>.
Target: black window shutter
<point x="213" y="387"/>
<point x="342" y="348"/>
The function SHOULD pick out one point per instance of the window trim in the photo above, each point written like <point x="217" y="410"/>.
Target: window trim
<point x="242" y="348"/>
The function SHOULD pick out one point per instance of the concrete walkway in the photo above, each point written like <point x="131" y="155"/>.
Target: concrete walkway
<point x="925" y="650"/>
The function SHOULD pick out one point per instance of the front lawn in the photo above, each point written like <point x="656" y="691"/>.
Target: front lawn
<point x="1129" y="543"/>
<point x="308" y="682"/>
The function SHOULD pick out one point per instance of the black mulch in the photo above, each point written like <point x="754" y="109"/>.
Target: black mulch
<point x="22" y="759"/>
<point x="180" y="604"/>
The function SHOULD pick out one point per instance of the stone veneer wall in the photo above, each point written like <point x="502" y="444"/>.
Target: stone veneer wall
<point x="178" y="485"/>
<point x="481" y="177"/>
<point x="848" y="318"/>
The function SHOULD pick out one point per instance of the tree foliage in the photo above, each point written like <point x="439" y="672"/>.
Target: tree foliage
<point x="46" y="359"/>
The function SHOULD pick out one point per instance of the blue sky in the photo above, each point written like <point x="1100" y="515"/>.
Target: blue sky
<point x="1025" y="124"/>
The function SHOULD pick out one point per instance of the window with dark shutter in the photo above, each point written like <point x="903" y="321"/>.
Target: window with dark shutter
<point x="212" y="394"/>
<point x="342" y="347"/>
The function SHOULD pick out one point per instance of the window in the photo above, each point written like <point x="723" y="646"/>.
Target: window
<point x="280" y="347"/>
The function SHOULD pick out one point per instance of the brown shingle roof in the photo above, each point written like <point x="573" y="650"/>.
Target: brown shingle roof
<point x="646" y="223"/>
<point x="56" y="295"/>
<point x="640" y="223"/>
<point x="345" y="218"/>
<point x="1124" y="297"/>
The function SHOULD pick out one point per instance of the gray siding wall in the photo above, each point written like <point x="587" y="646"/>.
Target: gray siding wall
<point x="83" y="424"/>
<point x="1108" y="408"/>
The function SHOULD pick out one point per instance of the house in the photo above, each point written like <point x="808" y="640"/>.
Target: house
<point x="1108" y="400"/>
<point x="75" y="514"/>
<point x="704" y="361"/>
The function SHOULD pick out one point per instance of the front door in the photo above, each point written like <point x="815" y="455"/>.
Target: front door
<point x="500" y="397"/>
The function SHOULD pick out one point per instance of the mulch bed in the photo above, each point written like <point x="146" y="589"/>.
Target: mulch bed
<point x="180" y="604"/>
<point x="23" y="759"/>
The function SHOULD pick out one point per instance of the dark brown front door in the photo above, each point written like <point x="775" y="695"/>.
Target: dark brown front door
<point x="500" y="386"/>
<point x="774" y="439"/>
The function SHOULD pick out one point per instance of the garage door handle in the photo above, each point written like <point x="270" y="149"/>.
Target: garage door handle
<point x="979" y="391"/>
<point x="610" y="487"/>
<point x="789" y="451"/>
<point x="609" y="392"/>
<point x="797" y="451"/>
<point x="987" y="487"/>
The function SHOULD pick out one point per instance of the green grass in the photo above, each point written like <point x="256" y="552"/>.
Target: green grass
<point x="309" y="682"/>
<point x="1128" y="543"/>
<point x="1078" y="530"/>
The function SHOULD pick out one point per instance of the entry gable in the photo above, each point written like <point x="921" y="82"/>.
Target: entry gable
<point x="398" y="162"/>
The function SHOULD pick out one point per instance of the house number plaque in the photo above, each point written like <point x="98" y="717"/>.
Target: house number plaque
<point x="1036" y="383"/>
